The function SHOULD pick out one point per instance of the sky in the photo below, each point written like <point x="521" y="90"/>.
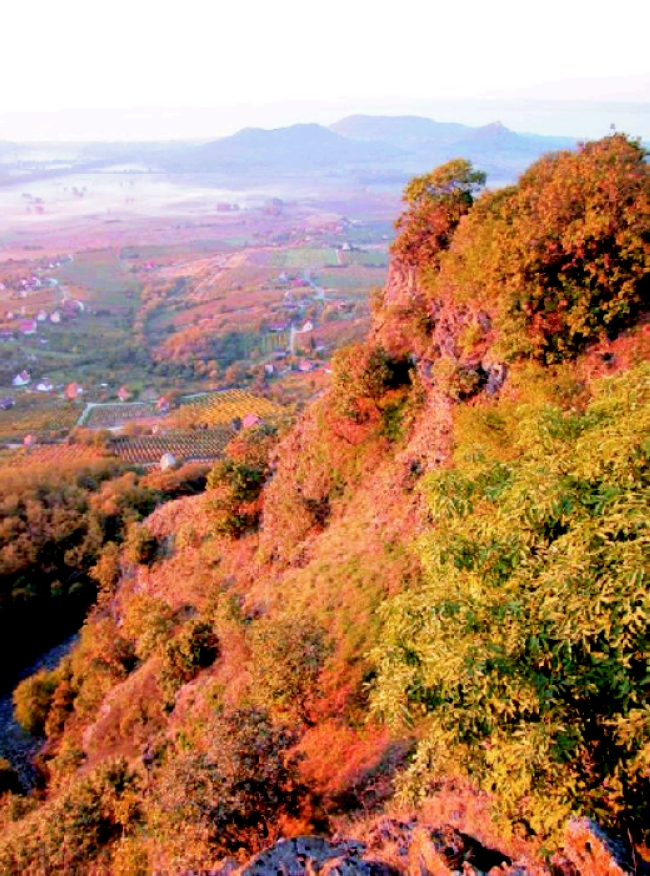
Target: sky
<point x="251" y="60"/>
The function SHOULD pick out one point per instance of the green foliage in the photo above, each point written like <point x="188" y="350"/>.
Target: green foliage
<point x="9" y="780"/>
<point x="287" y="656"/>
<point x="236" y="482"/>
<point x="141" y="545"/>
<point x="32" y="700"/>
<point x="71" y="832"/>
<point x="230" y="794"/>
<point x="106" y="571"/>
<point x="563" y="257"/>
<point x="361" y="375"/>
<point x="54" y="524"/>
<point x="436" y="202"/>
<point x="196" y="647"/>
<point x="148" y="621"/>
<point x="527" y="649"/>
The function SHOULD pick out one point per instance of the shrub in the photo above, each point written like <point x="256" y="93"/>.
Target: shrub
<point x="527" y="647"/>
<point x="32" y="700"/>
<point x="140" y="546"/>
<point x="287" y="656"/>
<point x="9" y="780"/>
<point x="195" y="648"/>
<point x="230" y="794"/>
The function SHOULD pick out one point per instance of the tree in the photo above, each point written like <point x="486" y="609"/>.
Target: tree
<point x="436" y="202"/>
<point x="288" y="655"/>
<point x="230" y="793"/>
<point x="564" y="256"/>
<point x="527" y="645"/>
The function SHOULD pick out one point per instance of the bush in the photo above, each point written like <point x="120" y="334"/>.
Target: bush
<point x="287" y="656"/>
<point x="230" y="794"/>
<point x="526" y="648"/>
<point x="9" y="781"/>
<point x="140" y="546"/>
<point x="32" y="701"/>
<point x="195" y="648"/>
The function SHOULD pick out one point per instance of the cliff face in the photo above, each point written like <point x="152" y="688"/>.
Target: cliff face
<point x="450" y="340"/>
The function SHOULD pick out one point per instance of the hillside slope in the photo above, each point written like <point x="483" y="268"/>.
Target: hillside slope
<point x="427" y="597"/>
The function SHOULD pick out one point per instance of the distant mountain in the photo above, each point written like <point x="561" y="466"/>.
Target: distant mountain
<point x="304" y="147"/>
<point x="376" y="151"/>
<point x="405" y="132"/>
<point x="503" y="153"/>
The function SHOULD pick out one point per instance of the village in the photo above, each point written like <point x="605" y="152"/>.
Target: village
<point x="120" y="344"/>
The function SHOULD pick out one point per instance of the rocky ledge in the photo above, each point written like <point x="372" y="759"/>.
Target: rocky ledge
<point x="406" y="848"/>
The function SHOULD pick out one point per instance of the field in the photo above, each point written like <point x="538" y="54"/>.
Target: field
<point x="53" y="454"/>
<point x="110" y="416"/>
<point x="221" y="408"/>
<point x="178" y="298"/>
<point x="44" y="418"/>
<point x="184" y="445"/>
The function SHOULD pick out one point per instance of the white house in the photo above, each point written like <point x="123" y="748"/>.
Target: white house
<point x="22" y="379"/>
<point x="45" y="385"/>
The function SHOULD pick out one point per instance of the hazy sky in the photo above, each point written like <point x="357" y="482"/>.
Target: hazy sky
<point x="100" y="54"/>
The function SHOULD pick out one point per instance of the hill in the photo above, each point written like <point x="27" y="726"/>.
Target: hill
<point x="496" y="149"/>
<point x="426" y="600"/>
<point x="305" y="147"/>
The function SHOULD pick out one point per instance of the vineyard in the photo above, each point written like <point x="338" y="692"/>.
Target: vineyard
<point x="221" y="408"/>
<point x="42" y="420"/>
<point x="53" y="454"/>
<point x="109" y="416"/>
<point x="185" y="445"/>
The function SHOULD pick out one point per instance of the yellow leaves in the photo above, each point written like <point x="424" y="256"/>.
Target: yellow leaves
<point x="534" y="611"/>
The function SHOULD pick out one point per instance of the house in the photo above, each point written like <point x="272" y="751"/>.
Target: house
<point x="250" y="420"/>
<point x="28" y="327"/>
<point x="6" y="403"/>
<point x="278" y="327"/>
<point x="305" y="366"/>
<point x="123" y="394"/>
<point x="45" y="385"/>
<point x="41" y="316"/>
<point x="269" y="369"/>
<point x="22" y="379"/>
<point x="55" y="317"/>
<point x="168" y="461"/>
<point x="30" y="440"/>
<point x="162" y="405"/>
<point x="73" y="391"/>
<point x="307" y="327"/>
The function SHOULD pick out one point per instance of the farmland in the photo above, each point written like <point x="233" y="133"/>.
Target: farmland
<point x="178" y="302"/>
<point x="185" y="445"/>
<point x="221" y="408"/>
<point x="43" y="418"/>
<point x="54" y="455"/>
<point x="109" y="416"/>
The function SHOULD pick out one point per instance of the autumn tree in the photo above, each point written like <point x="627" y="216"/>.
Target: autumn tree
<point x="229" y="793"/>
<point x="563" y="257"/>
<point x="287" y="657"/>
<point x="435" y="204"/>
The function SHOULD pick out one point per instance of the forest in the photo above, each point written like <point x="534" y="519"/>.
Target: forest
<point x="423" y="603"/>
